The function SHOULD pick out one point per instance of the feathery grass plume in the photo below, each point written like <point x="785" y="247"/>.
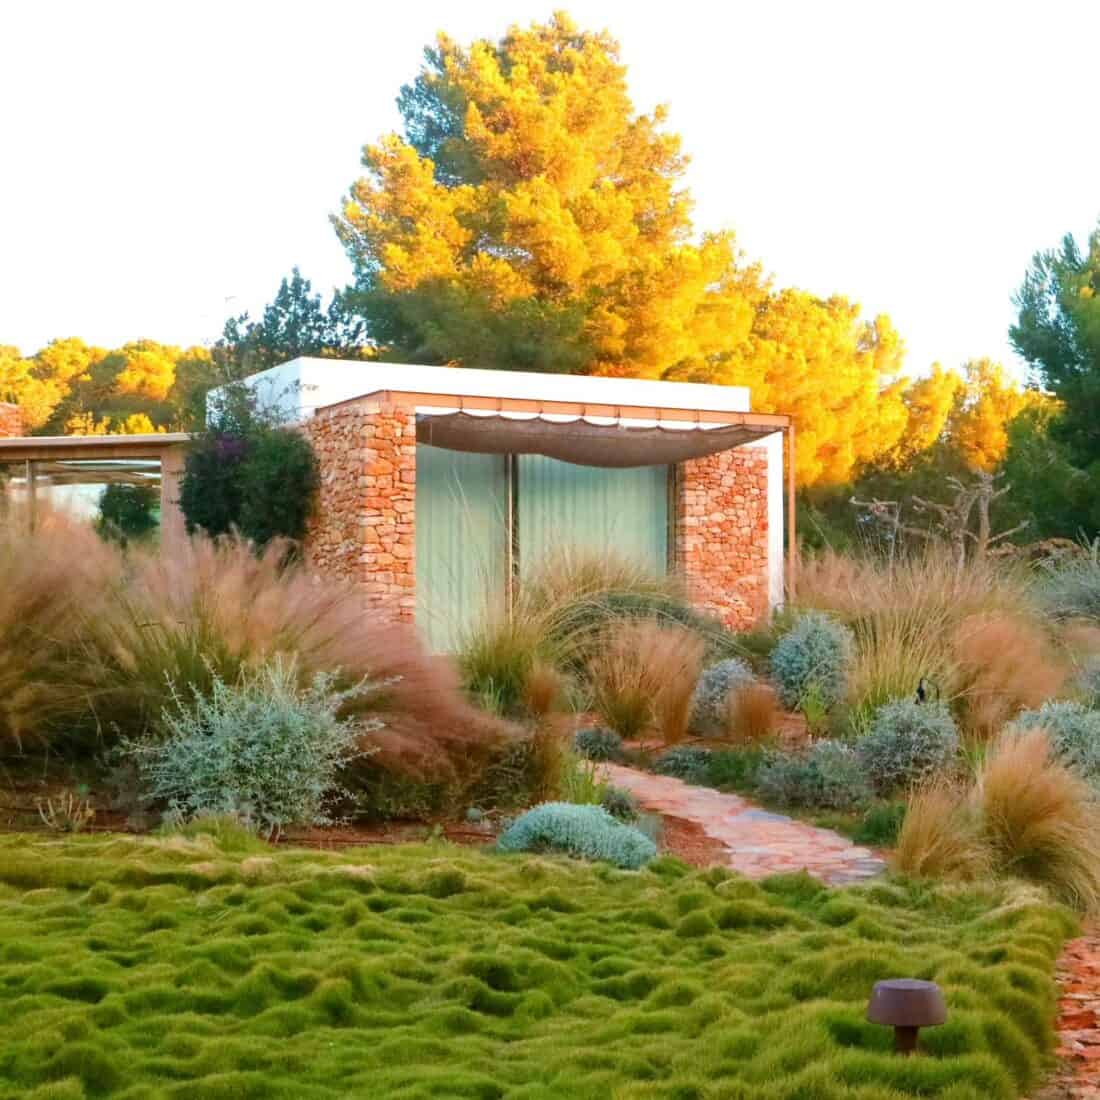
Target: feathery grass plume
<point x="1037" y="819"/>
<point x="644" y="677"/>
<point x="906" y="618"/>
<point x="939" y="837"/>
<point x="53" y="578"/>
<point x="1006" y="662"/>
<point x="752" y="713"/>
<point x="215" y="609"/>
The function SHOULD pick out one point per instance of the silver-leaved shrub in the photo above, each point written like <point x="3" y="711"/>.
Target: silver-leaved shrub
<point x="263" y="750"/>
<point x="711" y="696"/>
<point x="1074" y="732"/>
<point x="908" y="743"/>
<point x="813" y="657"/>
<point x="588" y="832"/>
<point x="829" y="777"/>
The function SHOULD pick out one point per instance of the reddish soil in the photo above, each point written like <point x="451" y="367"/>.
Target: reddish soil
<point x="687" y="841"/>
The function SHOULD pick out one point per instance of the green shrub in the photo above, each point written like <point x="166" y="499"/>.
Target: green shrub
<point x="580" y="781"/>
<point x="881" y="825"/>
<point x="247" y="473"/>
<point x="709" y="703"/>
<point x="620" y="803"/>
<point x="735" y="769"/>
<point x="1074" y="732"/>
<point x="908" y="742"/>
<point x="686" y="762"/>
<point x="813" y="657"/>
<point x="262" y="750"/>
<point x="127" y="512"/>
<point x="829" y="777"/>
<point x="589" y="832"/>
<point x="596" y="743"/>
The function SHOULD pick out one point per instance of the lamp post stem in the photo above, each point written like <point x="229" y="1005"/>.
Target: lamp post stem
<point x="905" y="1040"/>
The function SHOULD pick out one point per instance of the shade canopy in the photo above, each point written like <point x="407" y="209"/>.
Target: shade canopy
<point x="582" y="440"/>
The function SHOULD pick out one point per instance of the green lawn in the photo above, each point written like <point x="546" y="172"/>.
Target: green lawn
<point x="177" y="968"/>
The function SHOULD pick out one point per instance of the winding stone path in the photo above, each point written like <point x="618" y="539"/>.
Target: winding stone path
<point x="757" y="843"/>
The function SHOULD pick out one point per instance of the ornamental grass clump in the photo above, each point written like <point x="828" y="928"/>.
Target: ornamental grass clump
<point x="643" y="678"/>
<point x="1039" y="819"/>
<point x="908" y="743"/>
<point x="752" y="714"/>
<point x="51" y="580"/>
<point x="217" y="610"/>
<point x="1070" y="589"/>
<point x="588" y="832"/>
<point x="813" y="658"/>
<point x="829" y="777"/>
<point x="1026" y="816"/>
<point x="711" y="697"/>
<point x="1005" y="662"/>
<point x="939" y="837"/>
<point x="262" y="750"/>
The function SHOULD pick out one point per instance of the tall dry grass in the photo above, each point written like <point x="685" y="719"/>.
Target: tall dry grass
<point x="561" y="612"/>
<point x="1026" y="816"/>
<point x="751" y="713"/>
<point x="643" y="678"/>
<point x="922" y="617"/>
<point x="51" y="581"/>
<point x="93" y="642"/>
<point x="938" y="836"/>
<point x="1006" y="662"/>
<point x="1038" y="819"/>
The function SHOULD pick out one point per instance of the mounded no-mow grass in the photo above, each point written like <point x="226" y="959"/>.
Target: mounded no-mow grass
<point x="202" y="966"/>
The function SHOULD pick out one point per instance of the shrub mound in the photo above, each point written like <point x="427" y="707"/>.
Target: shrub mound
<point x="907" y="743"/>
<point x="710" y="700"/>
<point x="1074" y="732"/>
<point x="687" y="762"/>
<point x="814" y="656"/>
<point x="597" y="743"/>
<point x="829" y="776"/>
<point x="586" y="831"/>
<point x="262" y="750"/>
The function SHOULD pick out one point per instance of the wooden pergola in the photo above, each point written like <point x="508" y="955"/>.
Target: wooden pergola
<point x="35" y="453"/>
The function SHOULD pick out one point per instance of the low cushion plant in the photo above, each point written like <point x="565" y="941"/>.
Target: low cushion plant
<point x="813" y="658"/>
<point x="177" y="968"/>
<point x="586" y="831"/>
<point x="829" y="776"/>
<point x="1074" y="731"/>
<point x="597" y="743"/>
<point x="907" y="743"/>
<point x="710" y="700"/>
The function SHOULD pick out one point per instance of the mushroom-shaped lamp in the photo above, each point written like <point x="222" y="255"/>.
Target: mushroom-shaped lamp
<point x="906" y="1005"/>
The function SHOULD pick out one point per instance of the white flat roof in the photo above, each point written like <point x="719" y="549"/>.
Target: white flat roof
<point x="305" y="384"/>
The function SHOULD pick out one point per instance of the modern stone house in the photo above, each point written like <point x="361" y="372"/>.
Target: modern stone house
<point x="440" y="487"/>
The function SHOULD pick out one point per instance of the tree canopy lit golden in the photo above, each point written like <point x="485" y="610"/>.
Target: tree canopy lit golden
<point x="531" y="218"/>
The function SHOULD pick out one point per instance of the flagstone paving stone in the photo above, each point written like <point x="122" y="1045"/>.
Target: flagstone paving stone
<point x="756" y="842"/>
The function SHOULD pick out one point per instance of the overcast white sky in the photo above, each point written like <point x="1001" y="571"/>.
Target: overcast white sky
<point x="164" y="164"/>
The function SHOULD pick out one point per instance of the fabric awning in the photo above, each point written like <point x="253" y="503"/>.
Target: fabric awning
<point x="582" y="440"/>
